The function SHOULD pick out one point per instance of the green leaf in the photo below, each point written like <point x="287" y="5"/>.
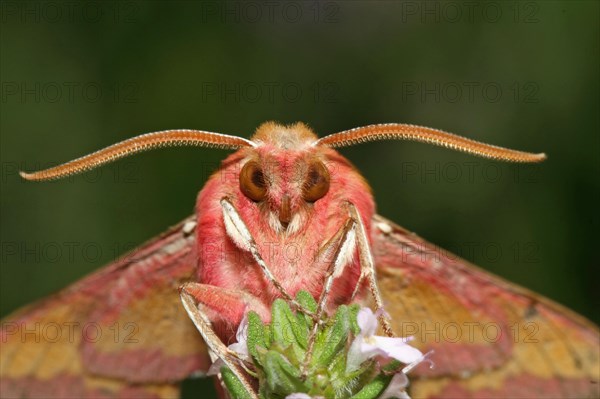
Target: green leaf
<point x="375" y="388"/>
<point x="354" y="309"/>
<point x="280" y="323"/>
<point x="268" y="335"/>
<point x="354" y="381"/>
<point x="281" y="377"/>
<point x="334" y="338"/>
<point x="337" y="367"/>
<point x="306" y="300"/>
<point x="304" y="323"/>
<point x="299" y="329"/>
<point x="256" y="334"/>
<point x="233" y="384"/>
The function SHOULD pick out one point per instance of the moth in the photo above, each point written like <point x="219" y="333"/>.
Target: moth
<point x="286" y="190"/>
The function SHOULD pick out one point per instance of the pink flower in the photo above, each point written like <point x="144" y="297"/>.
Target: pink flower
<point x="367" y="345"/>
<point x="240" y="347"/>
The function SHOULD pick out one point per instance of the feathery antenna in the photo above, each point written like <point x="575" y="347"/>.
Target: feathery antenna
<point x="398" y="131"/>
<point x="144" y="142"/>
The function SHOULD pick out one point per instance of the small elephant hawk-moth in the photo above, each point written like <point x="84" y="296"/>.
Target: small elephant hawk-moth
<point x="283" y="188"/>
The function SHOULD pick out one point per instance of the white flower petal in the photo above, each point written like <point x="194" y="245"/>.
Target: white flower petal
<point x="367" y="322"/>
<point x="241" y="348"/>
<point x="398" y="349"/>
<point x="242" y="332"/>
<point x="396" y="388"/>
<point x="355" y="355"/>
<point x="414" y="364"/>
<point x="367" y="345"/>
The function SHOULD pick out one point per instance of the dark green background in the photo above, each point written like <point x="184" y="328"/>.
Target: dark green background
<point x="355" y="64"/>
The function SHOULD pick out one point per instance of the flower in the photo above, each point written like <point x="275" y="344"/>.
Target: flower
<point x="241" y="335"/>
<point x="240" y="347"/>
<point x="367" y="345"/>
<point x="396" y="388"/>
<point x="301" y="395"/>
<point x="336" y="367"/>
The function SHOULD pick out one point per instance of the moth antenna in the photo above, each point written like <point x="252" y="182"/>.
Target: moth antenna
<point x="398" y="131"/>
<point x="144" y="142"/>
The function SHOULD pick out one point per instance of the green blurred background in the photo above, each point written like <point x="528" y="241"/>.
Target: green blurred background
<point x="78" y="77"/>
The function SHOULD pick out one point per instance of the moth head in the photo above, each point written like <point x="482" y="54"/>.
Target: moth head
<point x="285" y="190"/>
<point x="285" y="175"/>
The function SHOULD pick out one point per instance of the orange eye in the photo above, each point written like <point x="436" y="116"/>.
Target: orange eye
<point x="317" y="182"/>
<point x="252" y="181"/>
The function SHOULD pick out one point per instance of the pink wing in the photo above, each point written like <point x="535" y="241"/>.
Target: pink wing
<point x="491" y="338"/>
<point x="120" y="332"/>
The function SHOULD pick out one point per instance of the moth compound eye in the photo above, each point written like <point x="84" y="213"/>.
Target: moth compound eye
<point x="316" y="184"/>
<point x="252" y="181"/>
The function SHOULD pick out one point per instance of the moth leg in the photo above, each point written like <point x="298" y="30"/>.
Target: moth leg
<point x="239" y="233"/>
<point x="216" y="346"/>
<point x="367" y="269"/>
<point x="345" y="239"/>
<point x="226" y="304"/>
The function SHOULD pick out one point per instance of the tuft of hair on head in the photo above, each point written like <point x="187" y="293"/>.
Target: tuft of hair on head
<point x="293" y="136"/>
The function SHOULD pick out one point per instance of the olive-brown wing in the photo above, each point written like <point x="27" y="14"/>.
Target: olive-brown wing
<point x="490" y="338"/>
<point x="121" y="332"/>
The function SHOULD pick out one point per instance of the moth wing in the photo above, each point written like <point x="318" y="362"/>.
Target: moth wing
<point x="490" y="337"/>
<point x="119" y="332"/>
